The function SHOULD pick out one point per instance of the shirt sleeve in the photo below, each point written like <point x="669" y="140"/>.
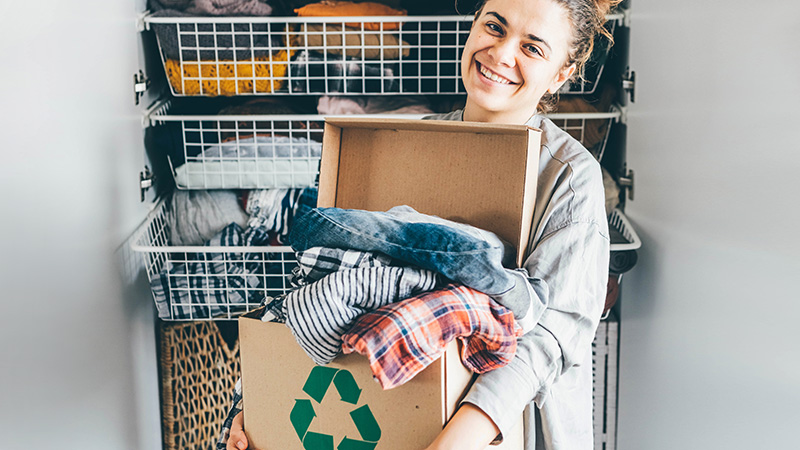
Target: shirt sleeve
<point x="568" y="270"/>
<point x="236" y="408"/>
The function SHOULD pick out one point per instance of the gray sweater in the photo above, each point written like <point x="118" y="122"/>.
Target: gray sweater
<point x="568" y="266"/>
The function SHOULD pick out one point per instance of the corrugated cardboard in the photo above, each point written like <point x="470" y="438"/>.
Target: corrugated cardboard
<point x="475" y="173"/>
<point x="275" y="370"/>
<point x="480" y="174"/>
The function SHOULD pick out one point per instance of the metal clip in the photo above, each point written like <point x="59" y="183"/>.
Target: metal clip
<point x="629" y="84"/>
<point x="140" y="84"/>
<point x="626" y="182"/>
<point x="145" y="180"/>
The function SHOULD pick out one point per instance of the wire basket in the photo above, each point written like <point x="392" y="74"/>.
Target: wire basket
<point x="604" y="383"/>
<point x="205" y="282"/>
<point x="268" y="151"/>
<point x="623" y="235"/>
<point x="211" y="56"/>
<point x="198" y="372"/>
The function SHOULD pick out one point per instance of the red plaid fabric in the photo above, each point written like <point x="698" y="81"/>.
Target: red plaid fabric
<point x="403" y="338"/>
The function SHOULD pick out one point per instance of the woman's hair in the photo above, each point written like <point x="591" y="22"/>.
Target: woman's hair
<point x="587" y="19"/>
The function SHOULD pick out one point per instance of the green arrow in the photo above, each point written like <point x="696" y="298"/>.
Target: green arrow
<point x="301" y="416"/>
<point x="347" y="387"/>
<point x="316" y="441"/>
<point x="318" y="381"/>
<point x="352" y="444"/>
<point x="366" y="424"/>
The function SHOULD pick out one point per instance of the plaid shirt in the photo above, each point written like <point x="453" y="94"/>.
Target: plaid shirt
<point x="403" y="338"/>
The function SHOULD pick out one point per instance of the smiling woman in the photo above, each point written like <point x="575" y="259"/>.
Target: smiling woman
<point x="518" y="54"/>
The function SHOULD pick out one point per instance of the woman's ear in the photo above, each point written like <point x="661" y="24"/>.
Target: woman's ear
<point x="561" y="77"/>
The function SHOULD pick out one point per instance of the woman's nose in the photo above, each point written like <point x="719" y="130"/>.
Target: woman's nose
<point x="504" y="52"/>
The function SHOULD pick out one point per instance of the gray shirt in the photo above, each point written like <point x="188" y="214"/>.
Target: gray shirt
<point x="568" y="268"/>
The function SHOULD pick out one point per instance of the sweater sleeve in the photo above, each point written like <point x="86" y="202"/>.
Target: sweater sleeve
<point x="568" y="271"/>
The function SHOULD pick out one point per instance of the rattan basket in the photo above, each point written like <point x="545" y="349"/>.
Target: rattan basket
<point x="198" y="373"/>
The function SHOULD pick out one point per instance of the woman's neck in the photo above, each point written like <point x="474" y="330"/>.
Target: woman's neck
<point x="475" y="114"/>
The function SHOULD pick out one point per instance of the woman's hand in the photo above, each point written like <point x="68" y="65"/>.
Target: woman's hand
<point x="237" y="440"/>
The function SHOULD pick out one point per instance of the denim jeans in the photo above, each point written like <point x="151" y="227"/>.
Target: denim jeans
<point x="461" y="253"/>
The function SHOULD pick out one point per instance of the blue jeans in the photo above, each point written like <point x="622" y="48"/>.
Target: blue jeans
<point x="461" y="253"/>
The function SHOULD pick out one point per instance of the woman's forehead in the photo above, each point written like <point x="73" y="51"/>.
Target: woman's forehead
<point x="545" y="19"/>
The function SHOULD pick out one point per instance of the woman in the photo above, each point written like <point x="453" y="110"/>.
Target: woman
<point x="518" y="54"/>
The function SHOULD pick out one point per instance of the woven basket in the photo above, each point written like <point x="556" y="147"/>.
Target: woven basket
<point x="198" y="373"/>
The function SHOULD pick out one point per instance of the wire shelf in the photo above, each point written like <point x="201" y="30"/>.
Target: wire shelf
<point x="207" y="282"/>
<point x="624" y="236"/>
<point x="211" y="56"/>
<point x="268" y="151"/>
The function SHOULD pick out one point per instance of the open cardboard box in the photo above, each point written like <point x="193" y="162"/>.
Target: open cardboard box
<point x="480" y="174"/>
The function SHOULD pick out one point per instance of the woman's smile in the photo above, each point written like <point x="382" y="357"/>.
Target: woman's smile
<point x="492" y="76"/>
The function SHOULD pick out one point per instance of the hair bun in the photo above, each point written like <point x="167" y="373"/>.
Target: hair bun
<point x="604" y="6"/>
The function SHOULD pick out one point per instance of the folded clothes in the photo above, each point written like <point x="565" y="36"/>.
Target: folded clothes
<point x="212" y="41"/>
<point x="335" y="8"/>
<point x="403" y="338"/>
<point x="215" y="7"/>
<point x="461" y="253"/>
<point x="395" y="104"/>
<point x="215" y="284"/>
<point x="259" y="162"/>
<point x="211" y="78"/>
<point x="313" y="72"/>
<point x="321" y="312"/>
<point x="196" y="216"/>
<point x="274" y="210"/>
<point x="317" y="262"/>
<point x="327" y="38"/>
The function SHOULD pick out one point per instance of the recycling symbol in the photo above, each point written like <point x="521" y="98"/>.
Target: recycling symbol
<point x="303" y="413"/>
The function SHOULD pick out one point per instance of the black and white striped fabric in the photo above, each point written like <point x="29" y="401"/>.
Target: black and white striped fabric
<point x="318" y="262"/>
<point x="321" y="312"/>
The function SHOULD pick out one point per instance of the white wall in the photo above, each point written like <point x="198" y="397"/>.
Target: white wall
<point x="76" y="340"/>
<point x="710" y="342"/>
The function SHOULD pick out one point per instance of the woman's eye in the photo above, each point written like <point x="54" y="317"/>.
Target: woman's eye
<point x="493" y="27"/>
<point x="533" y="50"/>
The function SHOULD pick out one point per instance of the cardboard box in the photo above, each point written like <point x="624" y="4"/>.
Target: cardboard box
<point x="480" y="174"/>
<point x="476" y="173"/>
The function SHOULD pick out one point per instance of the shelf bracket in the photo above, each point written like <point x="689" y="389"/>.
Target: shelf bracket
<point x="145" y="181"/>
<point x="140" y="84"/>
<point x="629" y="84"/>
<point x="626" y="183"/>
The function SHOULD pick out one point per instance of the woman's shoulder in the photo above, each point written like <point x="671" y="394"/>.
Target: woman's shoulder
<point x="561" y="147"/>
<point x="452" y="115"/>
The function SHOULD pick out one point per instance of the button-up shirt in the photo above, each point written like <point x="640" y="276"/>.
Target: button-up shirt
<point x="568" y="269"/>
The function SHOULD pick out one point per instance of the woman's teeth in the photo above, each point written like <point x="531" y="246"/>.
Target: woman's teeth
<point x="492" y="76"/>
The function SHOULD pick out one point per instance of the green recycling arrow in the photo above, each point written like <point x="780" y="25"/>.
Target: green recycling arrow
<point x="317" y="441"/>
<point x="318" y="381"/>
<point x="352" y="444"/>
<point x="301" y="416"/>
<point x="366" y="424"/>
<point x="347" y="387"/>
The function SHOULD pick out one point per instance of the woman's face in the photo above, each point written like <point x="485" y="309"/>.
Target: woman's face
<point x="515" y="52"/>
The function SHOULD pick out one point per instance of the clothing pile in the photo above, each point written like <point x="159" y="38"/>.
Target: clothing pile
<point x="207" y="284"/>
<point x="397" y="287"/>
<point x="246" y="154"/>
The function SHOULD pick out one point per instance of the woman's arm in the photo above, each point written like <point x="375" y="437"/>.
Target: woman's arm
<point x="469" y="429"/>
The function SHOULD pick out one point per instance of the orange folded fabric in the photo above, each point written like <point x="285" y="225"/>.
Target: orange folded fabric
<point x="212" y="78"/>
<point x="334" y="8"/>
